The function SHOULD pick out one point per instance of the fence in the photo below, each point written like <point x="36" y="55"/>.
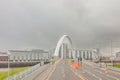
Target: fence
<point x="23" y="74"/>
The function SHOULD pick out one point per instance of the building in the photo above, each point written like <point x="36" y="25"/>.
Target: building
<point x="3" y="56"/>
<point x="109" y="51"/>
<point x="28" y="55"/>
<point x="118" y="54"/>
<point x="86" y="54"/>
<point x="117" y="58"/>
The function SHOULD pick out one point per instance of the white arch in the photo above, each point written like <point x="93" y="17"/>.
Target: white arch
<point x="60" y="42"/>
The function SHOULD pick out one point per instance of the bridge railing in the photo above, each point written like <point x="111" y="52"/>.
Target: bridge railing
<point x="23" y="74"/>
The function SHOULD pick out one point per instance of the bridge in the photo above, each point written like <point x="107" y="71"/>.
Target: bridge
<point x="70" y="64"/>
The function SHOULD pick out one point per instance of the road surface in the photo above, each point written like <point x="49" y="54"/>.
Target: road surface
<point x="64" y="71"/>
<point x="93" y="72"/>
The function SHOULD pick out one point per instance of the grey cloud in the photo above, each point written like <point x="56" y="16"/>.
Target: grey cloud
<point x="40" y="23"/>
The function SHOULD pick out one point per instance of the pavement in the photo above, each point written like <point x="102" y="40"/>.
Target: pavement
<point x="92" y="72"/>
<point x="35" y="73"/>
<point x="63" y="70"/>
<point x="43" y="75"/>
<point x="46" y="72"/>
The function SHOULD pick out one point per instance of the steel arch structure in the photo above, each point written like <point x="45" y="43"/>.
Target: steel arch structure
<point x="65" y="39"/>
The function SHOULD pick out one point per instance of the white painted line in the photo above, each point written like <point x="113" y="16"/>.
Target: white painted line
<point x="80" y="76"/>
<point x="62" y="71"/>
<point x="108" y="75"/>
<point x="51" y="72"/>
<point x="114" y="72"/>
<point x="93" y="75"/>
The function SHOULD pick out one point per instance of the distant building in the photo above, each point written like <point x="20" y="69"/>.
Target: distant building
<point x="51" y="52"/>
<point x="28" y="55"/>
<point x="105" y="58"/>
<point x="117" y="54"/>
<point x="108" y="51"/>
<point x="3" y="56"/>
<point x="85" y="54"/>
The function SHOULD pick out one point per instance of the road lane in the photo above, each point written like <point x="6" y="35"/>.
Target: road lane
<point x="110" y="75"/>
<point x="43" y="75"/>
<point x="87" y="75"/>
<point x="63" y="72"/>
<point x="96" y="73"/>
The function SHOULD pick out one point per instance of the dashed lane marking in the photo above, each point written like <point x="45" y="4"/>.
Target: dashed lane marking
<point x="53" y="69"/>
<point x="80" y="76"/>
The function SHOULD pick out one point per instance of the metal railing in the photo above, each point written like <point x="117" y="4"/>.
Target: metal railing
<point x="23" y="74"/>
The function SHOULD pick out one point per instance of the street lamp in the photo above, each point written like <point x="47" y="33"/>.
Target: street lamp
<point x="112" y="57"/>
<point x="111" y="50"/>
<point x="8" y="64"/>
<point x="112" y="60"/>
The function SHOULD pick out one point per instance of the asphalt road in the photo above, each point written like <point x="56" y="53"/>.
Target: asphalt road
<point x="93" y="72"/>
<point x="63" y="72"/>
<point x="45" y="72"/>
<point x="89" y="71"/>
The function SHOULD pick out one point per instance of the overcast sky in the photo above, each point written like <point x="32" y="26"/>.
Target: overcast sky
<point x="40" y="23"/>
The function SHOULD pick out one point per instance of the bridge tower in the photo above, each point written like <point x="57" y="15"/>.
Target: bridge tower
<point x="63" y="46"/>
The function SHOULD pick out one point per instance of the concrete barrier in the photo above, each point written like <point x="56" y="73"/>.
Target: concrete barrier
<point x="114" y="69"/>
<point x="30" y="73"/>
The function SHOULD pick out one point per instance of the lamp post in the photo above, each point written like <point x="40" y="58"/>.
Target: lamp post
<point x="111" y="50"/>
<point x="8" y="64"/>
<point x="112" y="57"/>
<point x="112" y="60"/>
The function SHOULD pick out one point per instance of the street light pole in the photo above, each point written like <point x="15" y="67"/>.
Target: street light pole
<point x="111" y="52"/>
<point x="111" y="47"/>
<point x="8" y="64"/>
<point x="8" y="67"/>
<point x="98" y="51"/>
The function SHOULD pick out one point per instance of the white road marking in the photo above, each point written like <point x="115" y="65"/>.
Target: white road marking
<point x="103" y="73"/>
<point x="63" y="71"/>
<point x="115" y="72"/>
<point x="108" y="75"/>
<point x="51" y="72"/>
<point x="80" y="76"/>
<point x="93" y="75"/>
